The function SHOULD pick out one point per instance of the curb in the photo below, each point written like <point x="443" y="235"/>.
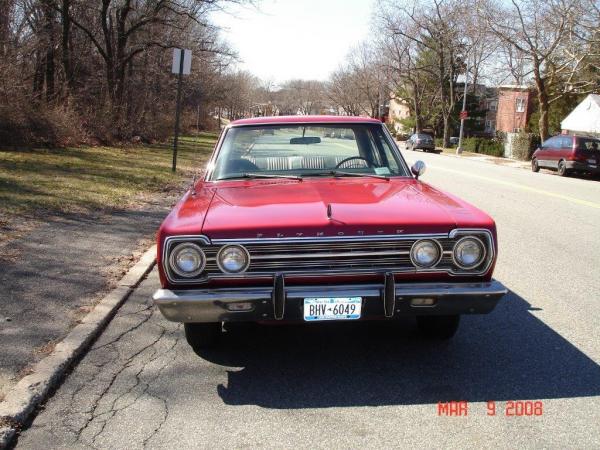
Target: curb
<point x="21" y="401"/>
<point x="507" y="162"/>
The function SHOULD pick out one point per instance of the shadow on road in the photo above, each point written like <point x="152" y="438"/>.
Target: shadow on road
<point x="506" y="355"/>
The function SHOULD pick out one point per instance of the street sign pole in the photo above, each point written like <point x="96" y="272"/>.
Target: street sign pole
<point x="182" y="65"/>
<point x="177" y="110"/>
<point x="463" y="113"/>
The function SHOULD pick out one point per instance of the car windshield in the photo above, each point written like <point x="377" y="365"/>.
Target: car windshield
<point x="307" y="150"/>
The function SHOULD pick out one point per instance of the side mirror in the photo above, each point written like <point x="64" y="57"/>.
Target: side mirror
<point x="418" y="169"/>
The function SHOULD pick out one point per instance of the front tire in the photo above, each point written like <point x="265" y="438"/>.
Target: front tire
<point x="438" y="327"/>
<point x="535" y="167"/>
<point x="202" y="335"/>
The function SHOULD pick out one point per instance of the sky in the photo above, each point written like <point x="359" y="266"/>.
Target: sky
<point x="285" y="39"/>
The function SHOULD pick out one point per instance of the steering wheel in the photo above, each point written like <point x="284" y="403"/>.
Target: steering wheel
<point x="352" y="158"/>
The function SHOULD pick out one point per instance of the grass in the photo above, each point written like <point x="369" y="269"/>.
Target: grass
<point x="452" y="151"/>
<point x="36" y="182"/>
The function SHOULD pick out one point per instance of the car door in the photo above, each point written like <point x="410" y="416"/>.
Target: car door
<point x="545" y="154"/>
<point x="554" y="152"/>
<point x="565" y="152"/>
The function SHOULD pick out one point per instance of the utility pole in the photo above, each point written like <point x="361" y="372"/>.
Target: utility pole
<point x="463" y="113"/>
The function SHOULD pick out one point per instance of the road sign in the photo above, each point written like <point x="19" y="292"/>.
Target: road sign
<point x="182" y="65"/>
<point x="464" y="115"/>
<point x="187" y="61"/>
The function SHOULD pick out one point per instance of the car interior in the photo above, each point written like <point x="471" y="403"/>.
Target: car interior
<point x="306" y="148"/>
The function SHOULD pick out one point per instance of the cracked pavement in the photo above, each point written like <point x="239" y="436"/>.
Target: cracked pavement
<point x="115" y="379"/>
<point x="367" y="385"/>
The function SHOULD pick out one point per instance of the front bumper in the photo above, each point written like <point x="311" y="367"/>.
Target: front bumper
<point x="583" y="167"/>
<point x="387" y="300"/>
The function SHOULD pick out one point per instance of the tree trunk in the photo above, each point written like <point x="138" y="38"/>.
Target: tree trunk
<point x="446" y="135"/>
<point x="5" y="12"/>
<point x="542" y="96"/>
<point x="443" y="93"/>
<point x="417" y="109"/>
<point x="38" y="76"/>
<point x="65" y="46"/>
<point x="50" y="49"/>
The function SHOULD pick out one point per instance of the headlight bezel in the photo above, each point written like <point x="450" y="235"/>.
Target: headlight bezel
<point x="481" y="259"/>
<point x="437" y="260"/>
<point x="179" y="248"/>
<point x="243" y="269"/>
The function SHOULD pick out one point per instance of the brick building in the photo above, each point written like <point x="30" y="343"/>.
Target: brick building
<point x="514" y="108"/>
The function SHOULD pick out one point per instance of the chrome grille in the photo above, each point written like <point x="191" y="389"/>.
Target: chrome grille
<point x="311" y="256"/>
<point x="315" y="256"/>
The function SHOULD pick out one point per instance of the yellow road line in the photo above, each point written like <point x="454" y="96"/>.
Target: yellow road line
<point x="523" y="187"/>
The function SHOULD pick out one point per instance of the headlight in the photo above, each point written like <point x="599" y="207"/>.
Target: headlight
<point x="187" y="260"/>
<point x="233" y="259"/>
<point x="425" y="253"/>
<point x="468" y="252"/>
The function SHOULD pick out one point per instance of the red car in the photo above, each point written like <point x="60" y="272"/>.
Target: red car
<point x="568" y="154"/>
<point x="317" y="218"/>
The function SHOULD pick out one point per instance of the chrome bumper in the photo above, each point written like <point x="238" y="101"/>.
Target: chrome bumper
<point x="280" y="302"/>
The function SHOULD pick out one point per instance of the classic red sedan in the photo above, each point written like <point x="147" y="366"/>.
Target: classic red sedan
<point x="317" y="218"/>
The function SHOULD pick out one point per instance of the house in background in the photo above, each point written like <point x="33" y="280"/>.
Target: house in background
<point x="514" y="108"/>
<point x="490" y="105"/>
<point x="398" y="109"/>
<point x="585" y="118"/>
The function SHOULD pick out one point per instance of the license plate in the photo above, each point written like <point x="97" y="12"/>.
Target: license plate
<point x="332" y="308"/>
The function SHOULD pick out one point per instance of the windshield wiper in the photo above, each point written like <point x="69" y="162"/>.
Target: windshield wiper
<point x="261" y="175"/>
<point x="337" y="173"/>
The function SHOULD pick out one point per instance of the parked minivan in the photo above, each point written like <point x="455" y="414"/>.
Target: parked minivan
<point x="568" y="154"/>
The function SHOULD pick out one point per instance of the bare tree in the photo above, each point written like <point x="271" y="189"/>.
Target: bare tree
<point x="410" y="80"/>
<point x="544" y="35"/>
<point x="101" y="67"/>
<point x="302" y="96"/>
<point x="342" y="91"/>
<point x="434" y="27"/>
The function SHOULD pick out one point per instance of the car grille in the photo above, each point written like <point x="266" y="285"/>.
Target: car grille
<point x="319" y="256"/>
<point x="331" y="256"/>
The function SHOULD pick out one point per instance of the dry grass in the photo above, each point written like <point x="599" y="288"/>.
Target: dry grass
<point x="452" y="151"/>
<point x="39" y="182"/>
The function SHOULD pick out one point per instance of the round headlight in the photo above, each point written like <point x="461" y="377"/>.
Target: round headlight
<point x="233" y="259"/>
<point x="425" y="253"/>
<point x="187" y="260"/>
<point x="468" y="252"/>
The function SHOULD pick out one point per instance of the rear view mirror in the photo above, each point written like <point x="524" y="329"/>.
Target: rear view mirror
<point x="306" y="140"/>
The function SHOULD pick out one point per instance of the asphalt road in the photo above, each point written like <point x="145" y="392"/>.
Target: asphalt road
<point x="371" y="385"/>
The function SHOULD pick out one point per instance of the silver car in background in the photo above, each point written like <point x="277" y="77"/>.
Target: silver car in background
<point x="420" y="141"/>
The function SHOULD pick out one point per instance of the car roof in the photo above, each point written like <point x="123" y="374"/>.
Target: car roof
<point x="279" y="120"/>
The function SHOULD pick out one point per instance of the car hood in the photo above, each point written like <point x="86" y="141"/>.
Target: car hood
<point x="327" y="207"/>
